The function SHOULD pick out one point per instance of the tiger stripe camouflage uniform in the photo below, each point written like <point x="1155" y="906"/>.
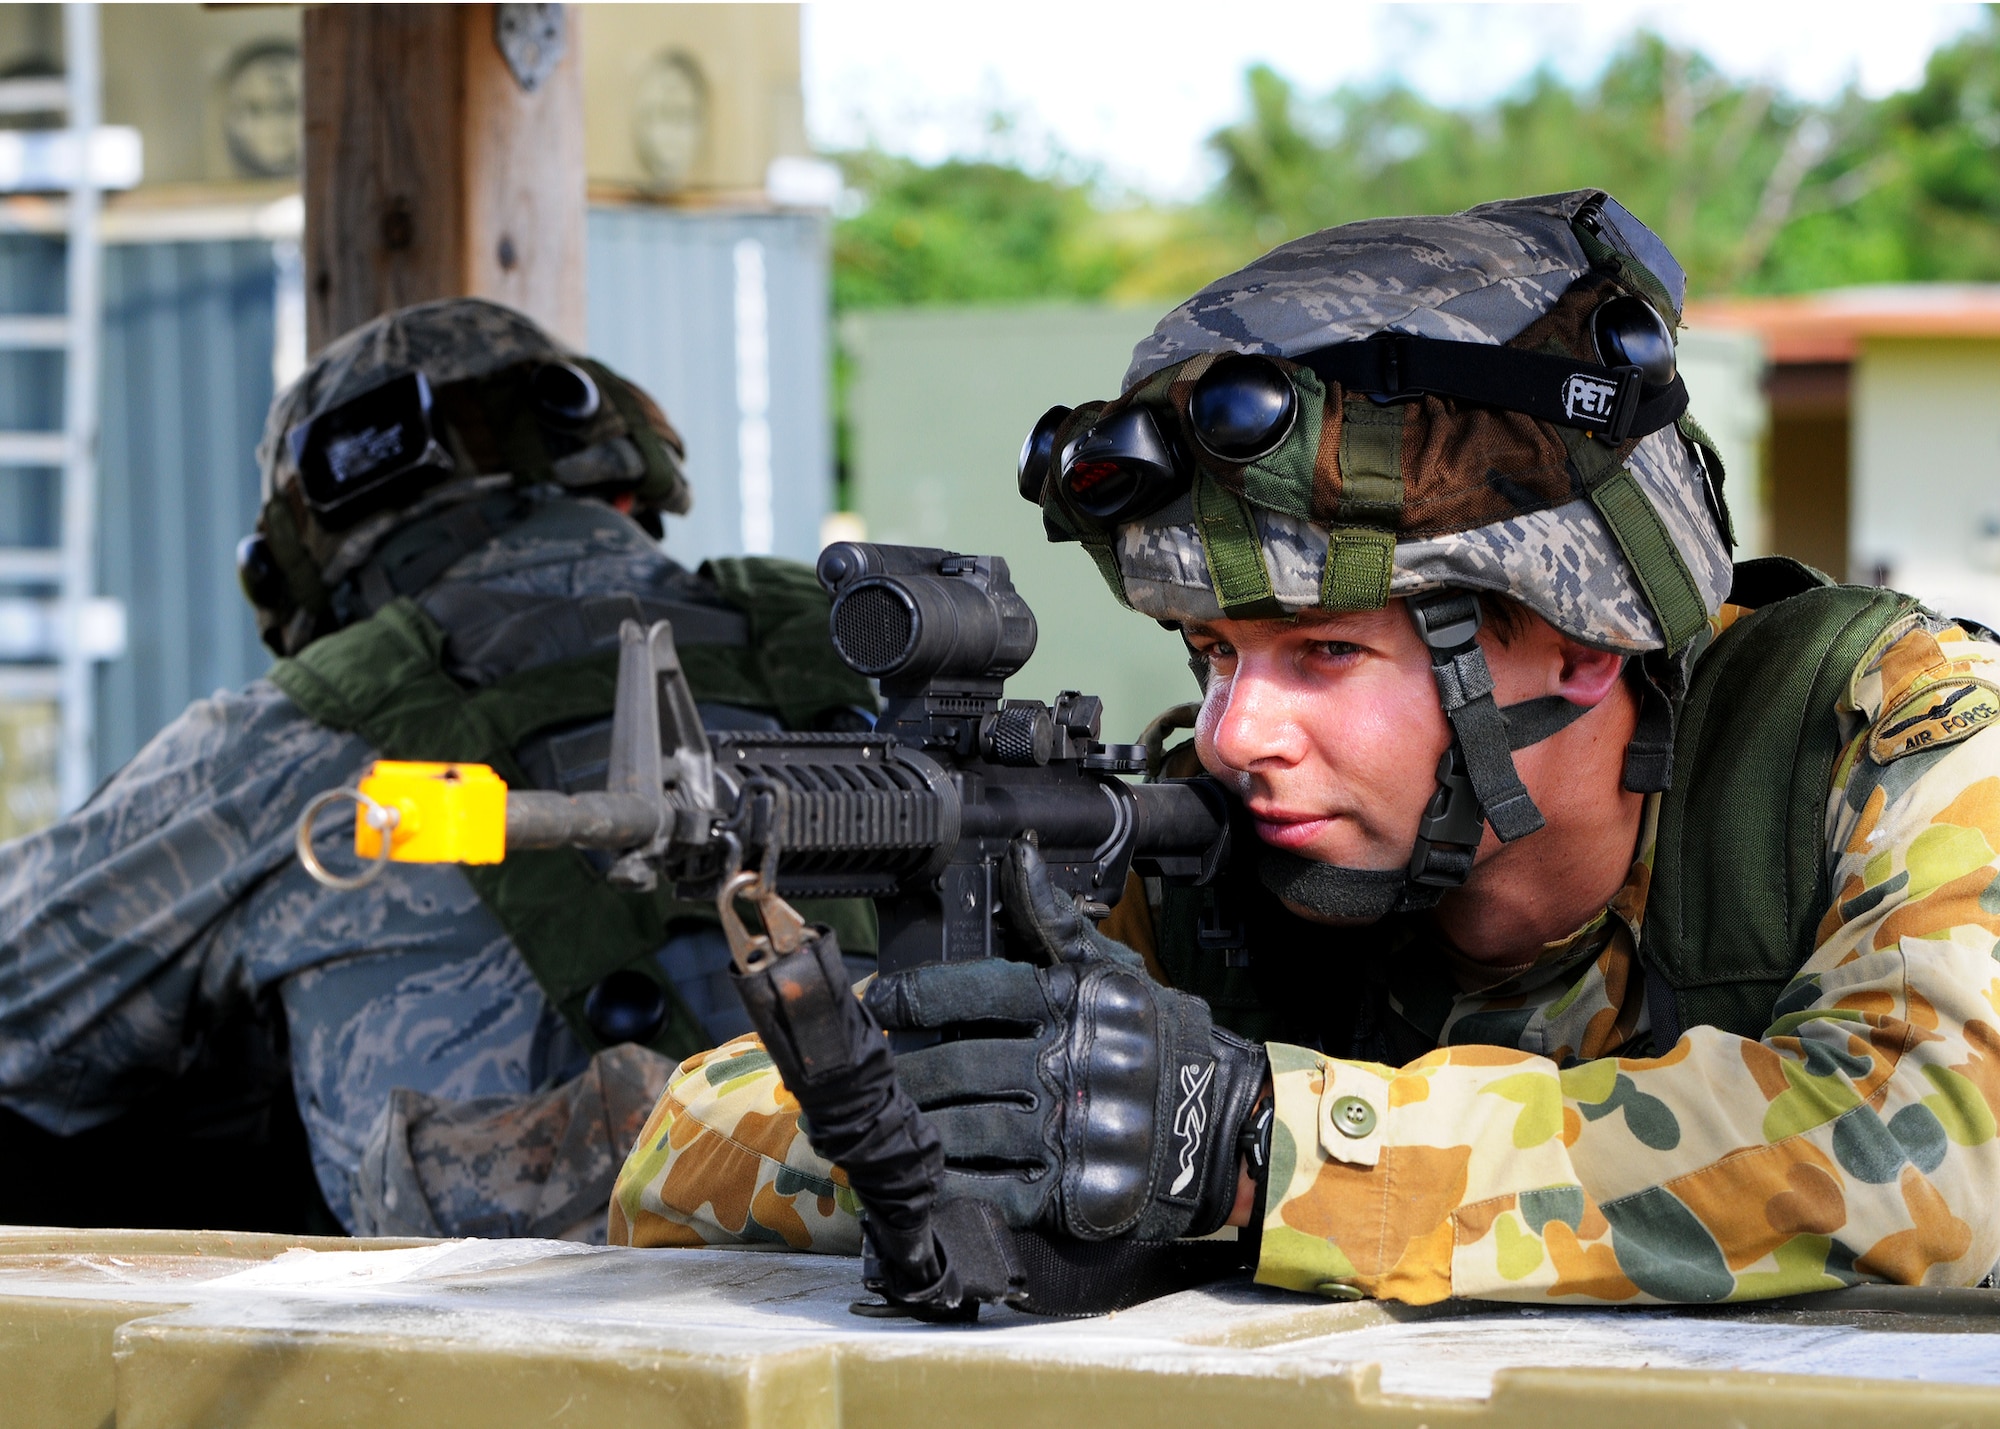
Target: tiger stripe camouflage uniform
<point x="1539" y="1152"/>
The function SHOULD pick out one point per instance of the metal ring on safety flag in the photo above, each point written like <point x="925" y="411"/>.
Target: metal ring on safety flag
<point x="381" y="818"/>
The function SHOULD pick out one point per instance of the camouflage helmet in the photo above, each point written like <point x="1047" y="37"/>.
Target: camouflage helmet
<point x="1423" y="408"/>
<point x="1376" y="495"/>
<point x="446" y="407"/>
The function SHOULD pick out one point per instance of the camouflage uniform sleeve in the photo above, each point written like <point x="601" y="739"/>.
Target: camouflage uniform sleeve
<point x="536" y="1165"/>
<point x="111" y="921"/>
<point x="1854" y="1142"/>
<point x="722" y="1161"/>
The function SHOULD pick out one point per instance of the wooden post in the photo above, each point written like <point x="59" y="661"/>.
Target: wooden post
<point x="430" y="172"/>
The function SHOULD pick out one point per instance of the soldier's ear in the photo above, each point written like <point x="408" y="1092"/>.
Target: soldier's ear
<point x="1587" y="675"/>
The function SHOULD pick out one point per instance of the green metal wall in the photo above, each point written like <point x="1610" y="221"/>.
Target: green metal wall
<point x="940" y="401"/>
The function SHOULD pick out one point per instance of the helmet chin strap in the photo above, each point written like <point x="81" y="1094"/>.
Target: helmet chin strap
<point x="1477" y="783"/>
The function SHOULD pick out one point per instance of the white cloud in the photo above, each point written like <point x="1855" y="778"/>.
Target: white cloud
<point x="1136" y="88"/>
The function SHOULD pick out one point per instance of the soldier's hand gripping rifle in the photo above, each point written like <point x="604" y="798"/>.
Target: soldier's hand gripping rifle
<point x="918" y="814"/>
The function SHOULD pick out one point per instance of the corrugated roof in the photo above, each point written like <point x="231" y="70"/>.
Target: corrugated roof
<point x="1830" y="326"/>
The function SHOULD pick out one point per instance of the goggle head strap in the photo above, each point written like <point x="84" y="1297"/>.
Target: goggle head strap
<point x="664" y="484"/>
<point x="281" y="581"/>
<point x="539" y="445"/>
<point x="1607" y="402"/>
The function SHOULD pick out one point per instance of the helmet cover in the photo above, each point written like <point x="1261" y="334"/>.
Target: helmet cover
<point x="1372" y="499"/>
<point x="478" y="357"/>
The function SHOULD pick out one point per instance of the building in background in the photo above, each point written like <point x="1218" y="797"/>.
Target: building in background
<point x="690" y="102"/>
<point x="1725" y="372"/>
<point x="708" y="280"/>
<point x="1837" y="414"/>
<point x="1884" y="450"/>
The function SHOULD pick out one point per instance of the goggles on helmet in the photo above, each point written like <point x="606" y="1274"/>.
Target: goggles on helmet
<point x="381" y="448"/>
<point x="1244" y="407"/>
<point x="369" y="451"/>
<point x="564" y="394"/>
<point x="1224" y="471"/>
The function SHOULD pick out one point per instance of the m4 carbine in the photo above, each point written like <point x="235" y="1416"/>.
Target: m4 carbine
<point x="918" y="814"/>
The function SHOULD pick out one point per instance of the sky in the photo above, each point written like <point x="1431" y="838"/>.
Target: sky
<point x="1133" y="89"/>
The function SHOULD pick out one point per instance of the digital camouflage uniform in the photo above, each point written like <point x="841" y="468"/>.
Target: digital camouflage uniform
<point x="1460" y="1133"/>
<point x="440" y="1092"/>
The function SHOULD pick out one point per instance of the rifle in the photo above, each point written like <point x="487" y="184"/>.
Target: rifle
<point x="916" y="814"/>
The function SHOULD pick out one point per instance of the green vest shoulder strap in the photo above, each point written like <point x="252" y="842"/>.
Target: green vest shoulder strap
<point x="1739" y="879"/>
<point x="384" y="679"/>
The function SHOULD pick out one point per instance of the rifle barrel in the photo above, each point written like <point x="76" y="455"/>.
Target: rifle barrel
<point x="536" y="819"/>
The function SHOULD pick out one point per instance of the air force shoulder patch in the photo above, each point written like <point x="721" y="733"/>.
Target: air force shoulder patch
<point x="1932" y="717"/>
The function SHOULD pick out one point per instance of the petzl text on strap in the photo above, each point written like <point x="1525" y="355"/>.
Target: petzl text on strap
<point x="1609" y="401"/>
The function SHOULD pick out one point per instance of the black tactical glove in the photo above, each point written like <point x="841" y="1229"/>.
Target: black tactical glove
<point x="1048" y="925"/>
<point x="1083" y="1098"/>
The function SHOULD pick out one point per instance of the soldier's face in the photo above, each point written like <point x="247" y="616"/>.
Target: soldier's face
<point x="1328" y="728"/>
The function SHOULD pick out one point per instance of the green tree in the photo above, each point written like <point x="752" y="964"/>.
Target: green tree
<point x="1716" y="166"/>
<point x="1754" y="191"/>
<point x="966" y="232"/>
<point x="1923" y="170"/>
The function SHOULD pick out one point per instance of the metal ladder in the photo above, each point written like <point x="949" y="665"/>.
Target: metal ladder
<point x="56" y="639"/>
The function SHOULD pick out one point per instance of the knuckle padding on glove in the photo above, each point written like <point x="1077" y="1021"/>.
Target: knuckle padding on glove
<point x="1114" y="1050"/>
<point x="1112" y="1114"/>
<point x="1111" y="1089"/>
